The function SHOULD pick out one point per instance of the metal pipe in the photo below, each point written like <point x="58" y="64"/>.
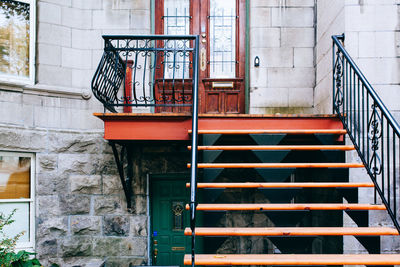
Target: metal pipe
<point x="193" y="169"/>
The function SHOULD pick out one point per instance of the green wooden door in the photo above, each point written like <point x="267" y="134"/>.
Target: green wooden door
<point x="169" y="196"/>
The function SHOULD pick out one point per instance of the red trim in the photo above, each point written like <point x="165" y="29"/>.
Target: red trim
<point x="173" y="127"/>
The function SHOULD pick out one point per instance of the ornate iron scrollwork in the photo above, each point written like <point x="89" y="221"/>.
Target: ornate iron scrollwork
<point x="374" y="136"/>
<point x="338" y="76"/>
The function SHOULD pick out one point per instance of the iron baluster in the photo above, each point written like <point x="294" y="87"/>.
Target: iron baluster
<point x="369" y="125"/>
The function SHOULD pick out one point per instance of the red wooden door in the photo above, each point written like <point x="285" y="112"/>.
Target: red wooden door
<point x="221" y="26"/>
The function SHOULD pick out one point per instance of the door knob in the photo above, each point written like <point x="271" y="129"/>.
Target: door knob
<point x="155" y="253"/>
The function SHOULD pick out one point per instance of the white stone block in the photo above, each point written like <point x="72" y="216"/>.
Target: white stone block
<point x="54" y="34"/>
<point x="258" y="78"/>
<point x="49" y="54"/>
<point x="88" y="4"/>
<point x="58" y="2"/>
<point x="291" y="77"/>
<point x="378" y="44"/>
<point x="352" y="43"/>
<point x="49" y="13"/>
<point x="96" y="56"/>
<point x="87" y="39"/>
<point x="76" y="18"/>
<point x="11" y="113"/>
<point x="127" y="4"/>
<point x="380" y="70"/>
<point x="371" y="18"/>
<point x="303" y="57"/>
<point x="301" y="97"/>
<point x="264" y="3"/>
<point x="300" y="3"/>
<point x="76" y="58"/>
<point x="260" y="17"/>
<point x="292" y="17"/>
<point x="140" y="19"/>
<point x="265" y="37"/>
<point x="82" y="78"/>
<point x="52" y="75"/>
<point x="47" y="117"/>
<point x="297" y="37"/>
<point x="111" y="19"/>
<point x="269" y="97"/>
<point x="282" y="4"/>
<point x="273" y="57"/>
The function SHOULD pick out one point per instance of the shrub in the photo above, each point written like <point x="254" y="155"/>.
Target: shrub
<point x="8" y="256"/>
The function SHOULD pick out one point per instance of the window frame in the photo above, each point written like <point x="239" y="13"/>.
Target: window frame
<point x="32" y="49"/>
<point x="30" y="245"/>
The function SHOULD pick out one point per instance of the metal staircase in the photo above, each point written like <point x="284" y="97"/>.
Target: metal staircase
<point x="288" y="167"/>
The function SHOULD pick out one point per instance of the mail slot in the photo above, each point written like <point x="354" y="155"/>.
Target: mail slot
<point x="222" y="84"/>
<point x="178" y="248"/>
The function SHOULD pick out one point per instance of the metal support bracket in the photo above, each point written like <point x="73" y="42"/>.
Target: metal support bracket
<point x="125" y="175"/>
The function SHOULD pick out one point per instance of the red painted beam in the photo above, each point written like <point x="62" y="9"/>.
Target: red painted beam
<point x="173" y="126"/>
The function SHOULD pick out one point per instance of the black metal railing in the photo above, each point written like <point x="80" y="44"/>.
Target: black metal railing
<point x="370" y="126"/>
<point x="153" y="71"/>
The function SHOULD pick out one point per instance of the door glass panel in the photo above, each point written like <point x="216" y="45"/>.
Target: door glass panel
<point x="176" y="17"/>
<point x="222" y="38"/>
<point x="176" y="22"/>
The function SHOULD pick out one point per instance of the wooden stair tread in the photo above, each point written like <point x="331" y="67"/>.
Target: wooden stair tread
<point x="291" y="231"/>
<point x="282" y="185"/>
<point x="278" y="147"/>
<point x="294" y="259"/>
<point x="273" y="131"/>
<point x="278" y="165"/>
<point x="295" y="206"/>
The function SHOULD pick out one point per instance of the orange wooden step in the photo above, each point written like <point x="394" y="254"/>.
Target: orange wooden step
<point x="279" y="147"/>
<point x="281" y="185"/>
<point x="294" y="259"/>
<point x="292" y="231"/>
<point x="295" y="206"/>
<point x="278" y="165"/>
<point x="266" y="131"/>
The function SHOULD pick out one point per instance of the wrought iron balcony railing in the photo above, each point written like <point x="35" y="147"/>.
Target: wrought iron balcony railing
<point x="370" y="126"/>
<point x="146" y="72"/>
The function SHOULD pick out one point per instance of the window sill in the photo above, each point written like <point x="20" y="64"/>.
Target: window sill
<point x="46" y="90"/>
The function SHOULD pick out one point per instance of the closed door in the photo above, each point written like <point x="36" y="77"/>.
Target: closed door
<point x="221" y="26"/>
<point x="169" y="218"/>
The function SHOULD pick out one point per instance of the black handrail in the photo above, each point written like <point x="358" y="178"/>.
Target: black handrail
<point x="370" y="126"/>
<point x="193" y="166"/>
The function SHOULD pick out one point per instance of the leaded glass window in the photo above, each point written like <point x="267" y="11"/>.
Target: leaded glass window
<point x="176" y="22"/>
<point x="222" y="38"/>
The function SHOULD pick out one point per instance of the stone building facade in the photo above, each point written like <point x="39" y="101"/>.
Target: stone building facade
<point x="80" y="214"/>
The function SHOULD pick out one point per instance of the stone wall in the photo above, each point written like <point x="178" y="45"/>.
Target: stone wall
<point x="330" y="21"/>
<point x="80" y="208"/>
<point x="282" y="36"/>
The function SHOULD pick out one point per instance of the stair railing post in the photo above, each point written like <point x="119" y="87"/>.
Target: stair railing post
<point x="193" y="168"/>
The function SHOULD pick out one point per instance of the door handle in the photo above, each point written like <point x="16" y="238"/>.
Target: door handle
<point x="203" y="59"/>
<point x="155" y="253"/>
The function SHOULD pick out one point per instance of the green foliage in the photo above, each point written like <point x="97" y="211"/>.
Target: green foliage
<point x="8" y="256"/>
<point x="14" y="8"/>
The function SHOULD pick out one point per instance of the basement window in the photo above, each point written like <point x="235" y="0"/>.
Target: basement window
<point x="16" y="193"/>
<point x="17" y="40"/>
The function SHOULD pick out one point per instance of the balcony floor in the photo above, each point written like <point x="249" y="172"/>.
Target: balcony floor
<point x="175" y="126"/>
